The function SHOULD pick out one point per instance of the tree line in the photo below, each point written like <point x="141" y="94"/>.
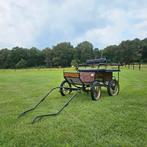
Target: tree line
<point x="65" y="54"/>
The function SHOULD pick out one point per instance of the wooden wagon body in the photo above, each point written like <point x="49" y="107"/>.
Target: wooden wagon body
<point x="91" y="80"/>
<point x="88" y="76"/>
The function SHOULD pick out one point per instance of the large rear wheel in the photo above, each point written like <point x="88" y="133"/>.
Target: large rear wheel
<point x="65" y="88"/>
<point x="95" y="91"/>
<point x="113" y="88"/>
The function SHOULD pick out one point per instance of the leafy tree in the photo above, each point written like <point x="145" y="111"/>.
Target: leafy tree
<point x="35" y="57"/>
<point x="4" y="58"/>
<point x="144" y="53"/>
<point x="130" y="50"/>
<point x="56" y="61"/>
<point x="48" y="56"/>
<point x="144" y="50"/>
<point x="74" y="63"/>
<point x="64" y="53"/>
<point x="17" y="53"/>
<point x="126" y="52"/>
<point x="110" y="52"/>
<point x="21" y="64"/>
<point x="96" y="53"/>
<point x="84" y="51"/>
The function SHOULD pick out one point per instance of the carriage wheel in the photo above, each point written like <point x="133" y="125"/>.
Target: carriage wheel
<point x="95" y="91"/>
<point x="113" y="88"/>
<point x="65" y="88"/>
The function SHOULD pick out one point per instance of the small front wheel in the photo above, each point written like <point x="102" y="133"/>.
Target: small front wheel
<point x="113" y="88"/>
<point x="95" y="91"/>
<point x="65" y="88"/>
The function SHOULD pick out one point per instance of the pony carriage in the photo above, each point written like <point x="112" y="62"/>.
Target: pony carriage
<point x="88" y="77"/>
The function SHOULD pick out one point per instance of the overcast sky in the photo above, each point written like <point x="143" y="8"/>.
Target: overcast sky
<point x="43" y="23"/>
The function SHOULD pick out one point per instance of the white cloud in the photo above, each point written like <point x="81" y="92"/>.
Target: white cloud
<point x="21" y="21"/>
<point x="29" y="23"/>
<point x="122" y="25"/>
<point x="109" y="34"/>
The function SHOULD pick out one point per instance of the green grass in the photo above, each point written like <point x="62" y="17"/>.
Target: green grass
<point x="112" y="121"/>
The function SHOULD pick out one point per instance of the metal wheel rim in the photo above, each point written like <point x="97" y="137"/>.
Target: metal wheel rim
<point x="66" y="91"/>
<point x="115" y="90"/>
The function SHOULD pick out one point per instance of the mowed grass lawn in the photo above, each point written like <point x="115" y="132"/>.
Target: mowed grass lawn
<point x="112" y="121"/>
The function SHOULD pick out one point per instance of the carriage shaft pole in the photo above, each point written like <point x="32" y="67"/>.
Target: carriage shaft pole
<point x="31" y="109"/>
<point x="39" y="117"/>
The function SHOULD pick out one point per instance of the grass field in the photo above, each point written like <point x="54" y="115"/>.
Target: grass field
<point x="112" y="121"/>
